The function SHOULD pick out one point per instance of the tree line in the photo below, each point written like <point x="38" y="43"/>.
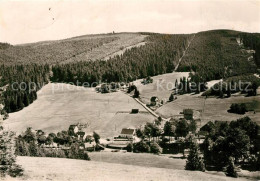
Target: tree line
<point x="21" y="82"/>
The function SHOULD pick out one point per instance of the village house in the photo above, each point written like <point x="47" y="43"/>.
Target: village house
<point x="78" y="131"/>
<point x="89" y="146"/>
<point x="73" y="129"/>
<point x="127" y="133"/>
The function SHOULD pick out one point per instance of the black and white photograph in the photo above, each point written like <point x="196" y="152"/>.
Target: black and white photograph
<point x="129" y="90"/>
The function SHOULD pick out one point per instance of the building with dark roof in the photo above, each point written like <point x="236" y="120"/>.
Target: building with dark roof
<point x="127" y="133"/>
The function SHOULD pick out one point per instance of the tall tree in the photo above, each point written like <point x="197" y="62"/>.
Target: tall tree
<point x="194" y="161"/>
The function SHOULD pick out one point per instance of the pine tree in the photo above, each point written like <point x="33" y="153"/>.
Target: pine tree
<point x="194" y="162"/>
<point x="7" y="154"/>
<point x="171" y="98"/>
<point x="7" y="151"/>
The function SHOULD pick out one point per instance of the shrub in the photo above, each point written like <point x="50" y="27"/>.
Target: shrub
<point x="15" y="170"/>
<point x="86" y="156"/>
<point x="155" y="148"/>
<point x="230" y="171"/>
<point x="238" y="108"/>
<point x="171" y="98"/>
<point x="141" y="147"/>
<point x="129" y="147"/>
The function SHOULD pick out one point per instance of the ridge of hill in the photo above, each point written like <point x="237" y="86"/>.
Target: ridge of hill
<point x="81" y="48"/>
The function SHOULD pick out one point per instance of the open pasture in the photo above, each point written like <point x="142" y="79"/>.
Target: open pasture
<point x="60" y="105"/>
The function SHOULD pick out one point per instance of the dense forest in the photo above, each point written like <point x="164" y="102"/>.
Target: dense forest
<point x="213" y="55"/>
<point x="252" y="41"/>
<point x="20" y="84"/>
<point x="157" y="56"/>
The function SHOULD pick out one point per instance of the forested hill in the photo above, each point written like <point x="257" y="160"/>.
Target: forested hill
<point x="211" y="55"/>
<point x="252" y="41"/>
<point x="82" y="48"/>
<point x="158" y="56"/>
<point x="217" y="54"/>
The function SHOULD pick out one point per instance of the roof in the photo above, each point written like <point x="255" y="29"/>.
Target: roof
<point x="127" y="131"/>
<point x="72" y="126"/>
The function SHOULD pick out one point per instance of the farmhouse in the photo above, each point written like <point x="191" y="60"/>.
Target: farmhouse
<point x="89" y="146"/>
<point x="127" y="133"/>
<point x="77" y="130"/>
<point x="73" y="129"/>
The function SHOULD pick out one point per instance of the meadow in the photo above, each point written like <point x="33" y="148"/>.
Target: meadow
<point x="161" y="87"/>
<point x="60" y="105"/>
<point x="69" y="169"/>
<point x="211" y="108"/>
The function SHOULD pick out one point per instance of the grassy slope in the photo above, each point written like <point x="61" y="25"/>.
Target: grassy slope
<point x="66" y="169"/>
<point x="215" y="109"/>
<point x="54" y="112"/>
<point x="161" y="87"/>
<point x="83" y="48"/>
<point x="138" y="159"/>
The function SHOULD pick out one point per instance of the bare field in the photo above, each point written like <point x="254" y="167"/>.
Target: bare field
<point x="161" y="87"/>
<point x="68" y="169"/>
<point x="56" y="108"/>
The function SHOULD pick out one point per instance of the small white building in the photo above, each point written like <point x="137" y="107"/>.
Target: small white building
<point x="127" y="133"/>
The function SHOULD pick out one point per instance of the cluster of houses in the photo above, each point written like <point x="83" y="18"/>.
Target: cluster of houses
<point x="77" y="131"/>
<point x="128" y="135"/>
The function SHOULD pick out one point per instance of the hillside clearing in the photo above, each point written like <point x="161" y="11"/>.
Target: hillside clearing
<point x="68" y="169"/>
<point x="60" y="105"/>
<point x="161" y="87"/>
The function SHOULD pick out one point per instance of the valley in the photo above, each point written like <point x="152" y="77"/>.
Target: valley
<point x="134" y="123"/>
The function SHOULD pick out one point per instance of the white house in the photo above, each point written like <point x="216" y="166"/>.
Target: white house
<point x="127" y="133"/>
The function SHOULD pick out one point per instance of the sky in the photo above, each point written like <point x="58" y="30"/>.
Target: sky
<point x="31" y="21"/>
